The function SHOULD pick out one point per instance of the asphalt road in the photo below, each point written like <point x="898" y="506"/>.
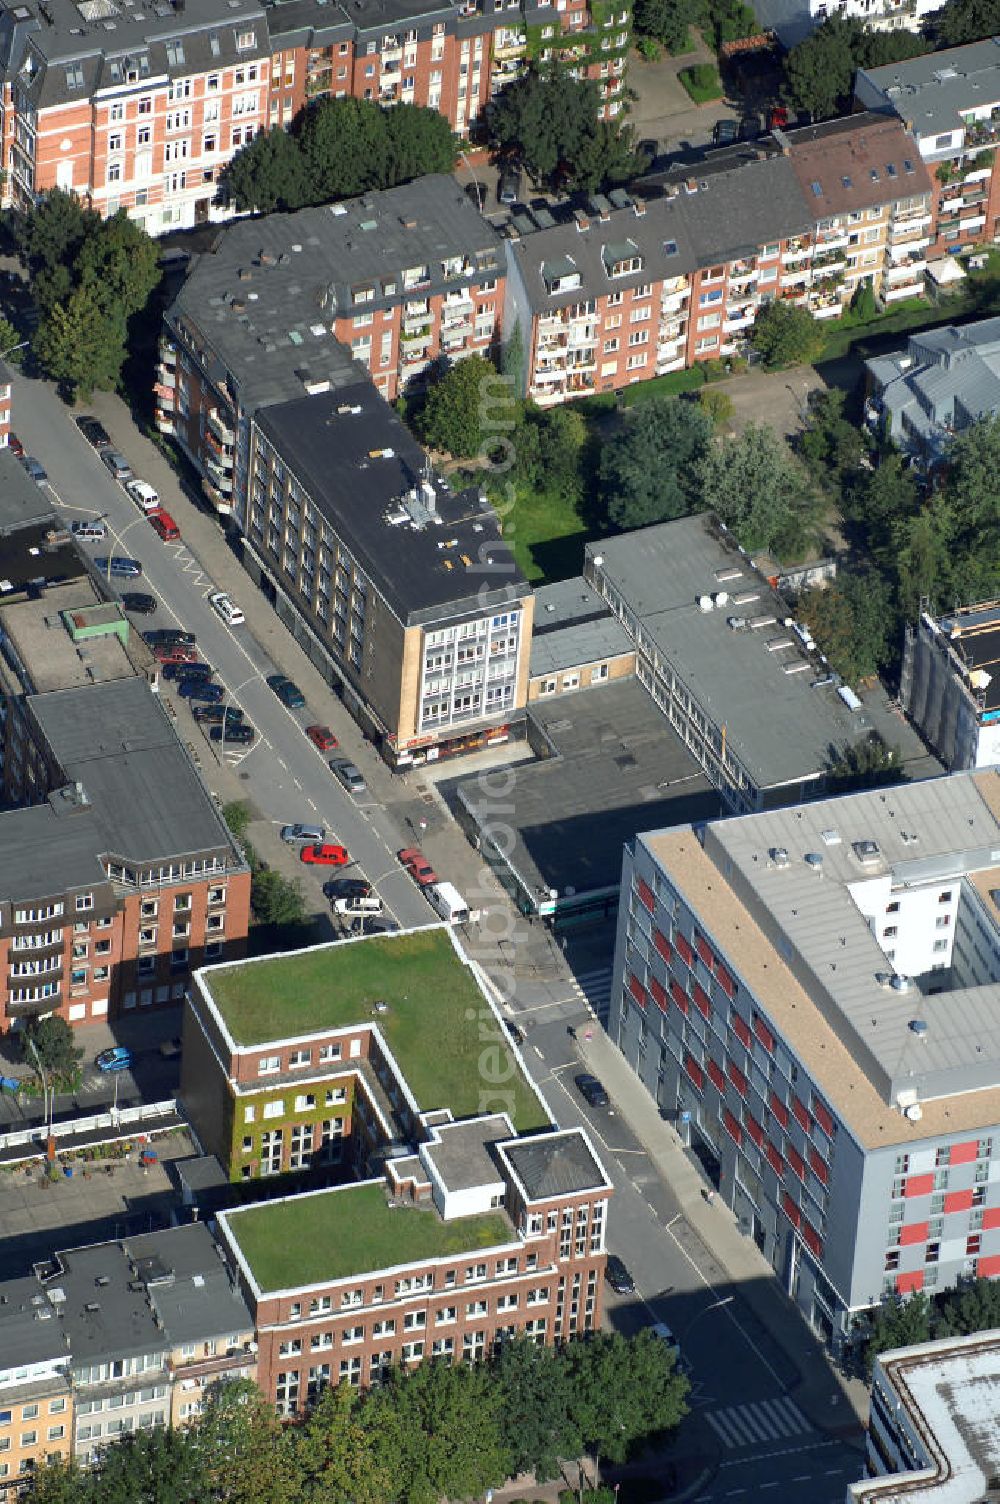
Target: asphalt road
<point x="286" y="776"/>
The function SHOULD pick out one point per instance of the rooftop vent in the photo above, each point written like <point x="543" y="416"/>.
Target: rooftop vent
<point x="899" y="983"/>
<point x="867" y="852"/>
<point x="779" y="856"/>
<point x="721" y="598"/>
<point x="814" y="859"/>
<point x="918" y="1026"/>
<point x="830" y="837"/>
<point x="914" y="1112"/>
<point x="705" y="603"/>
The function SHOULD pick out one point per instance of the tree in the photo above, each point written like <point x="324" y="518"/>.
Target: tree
<point x="967" y="21"/>
<point x="785" y="335"/>
<point x="717" y="404"/>
<point x="268" y="174"/>
<point x="549" y="447"/>
<point x="832" y="447"/>
<point x="244" y="1455"/>
<point x="335" y="1453"/>
<point x="970" y="491"/>
<point x="897" y="1322"/>
<point x="54" y="1041"/>
<point x="81" y="345"/>
<point x="549" y="121"/>
<point x="151" y="1467"/>
<point x="452" y="417"/>
<point x="343" y="144"/>
<point x="437" y="1432"/>
<point x="868" y="764"/>
<point x="418" y="142"/>
<point x="972" y="1307"/>
<point x="924" y="555"/>
<point x="863" y="304"/>
<point x="534" y="1387"/>
<point x="819" y="71"/>
<point x="649" y="464"/>
<point x="605" y="158"/>
<point x="237" y="816"/>
<point x="756" y="488"/>
<point x="52" y="233"/>
<point x="59" y="1480"/>
<point x="276" y="900"/>
<point x="853" y="622"/>
<point x="667" y="21"/>
<point x="623" y="1391"/>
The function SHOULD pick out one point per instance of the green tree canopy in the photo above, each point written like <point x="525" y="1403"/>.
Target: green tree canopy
<point x="819" y="70"/>
<point x="649" y="464"/>
<point x="967" y="21"/>
<point x="55" y="1043"/>
<point x="120" y="265"/>
<point x="757" y="489"/>
<point x="868" y="764"/>
<point x="853" y="622"/>
<point x="897" y="1322"/>
<point x="623" y="1392"/>
<point x="51" y="235"/>
<point x="667" y="21"/>
<point x="268" y="174"/>
<point x="452" y="416"/>
<point x="242" y="1452"/>
<point x="973" y="500"/>
<point x="535" y="1397"/>
<point x="548" y="120"/>
<point x="81" y="344"/>
<point x="335" y="1453"/>
<point x="786" y="335"/>
<point x="437" y="1432"/>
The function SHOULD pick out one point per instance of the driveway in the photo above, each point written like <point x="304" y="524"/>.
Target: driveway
<point x="664" y="111"/>
<point x="778" y="398"/>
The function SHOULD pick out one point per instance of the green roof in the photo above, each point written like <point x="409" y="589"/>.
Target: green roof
<point x="307" y="1240"/>
<point x="437" y="1024"/>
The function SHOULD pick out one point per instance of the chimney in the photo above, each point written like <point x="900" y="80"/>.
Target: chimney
<point x="582" y="222"/>
<point x="605" y="213"/>
<point x="639" y="205"/>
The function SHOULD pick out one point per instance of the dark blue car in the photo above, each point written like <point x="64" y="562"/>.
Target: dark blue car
<point x="201" y="689"/>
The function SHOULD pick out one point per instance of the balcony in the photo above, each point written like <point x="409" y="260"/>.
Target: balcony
<point x="166" y="394"/>
<point x="797" y="278"/>
<point x="739" y="318"/>
<point x="201" y="1368"/>
<point x="220" y="477"/>
<point x="220" y="427"/>
<point x="512" y="48"/>
<point x="166" y="376"/>
<point x="794" y="251"/>
<point x="415" y="319"/>
<point x="836" y="241"/>
<point x="164" y="422"/>
<point x="906" y="271"/>
<point x="168" y="353"/>
<point x="416" y="339"/>
<point x="38" y="1005"/>
<point x="673" y="302"/>
<point x="910" y="290"/>
<point x="902" y="226"/>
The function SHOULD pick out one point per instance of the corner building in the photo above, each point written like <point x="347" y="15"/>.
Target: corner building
<point x="810" y="995"/>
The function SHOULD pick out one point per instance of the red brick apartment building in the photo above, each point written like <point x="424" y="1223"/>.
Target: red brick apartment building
<point x="472" y="1215"/>
<point x="139" y="104"/>
<point x="635" y="286"/>
<point x="117" y="874"/>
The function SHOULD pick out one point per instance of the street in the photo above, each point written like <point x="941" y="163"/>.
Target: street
<point x="286" y="777"/>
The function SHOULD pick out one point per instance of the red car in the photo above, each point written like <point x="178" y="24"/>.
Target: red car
<point x="322" y="737"/>
<point x="15" y="446"/>
<point x="165" y="525"/>
<point x="417" y="866"/>
<point x="175" y="652"/>
<point x="325" y="856"/>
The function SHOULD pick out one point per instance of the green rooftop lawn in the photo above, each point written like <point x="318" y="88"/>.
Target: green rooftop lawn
<point x="437" y="1024"/>
<point x="339" y="1233"/>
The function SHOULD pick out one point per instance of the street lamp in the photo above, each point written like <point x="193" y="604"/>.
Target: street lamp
<point x="479" y="186"/>
<point x="106" y="517"/>
<point x="22" y="346"/>
<point x="715" y="1306"/>
<point x="46" y="1097"/>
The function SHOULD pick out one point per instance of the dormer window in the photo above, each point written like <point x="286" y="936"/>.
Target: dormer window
<point x="363" y="293"/>
<point x="561" y="275"/>
<point x="622" y="258"/>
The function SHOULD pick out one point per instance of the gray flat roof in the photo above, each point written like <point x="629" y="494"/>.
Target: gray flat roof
<point x="461" y="1155"/>
<point x="38" y="632"/>
<point x="144" y="801"/>
<point x="189" y="1284"/>
<point x="21" y="500"/>
<point x="100" y="1314"/>
<point x="617" y="767"/>
<point x="28" y="1331"/>
<point x="930" y="93"/>
<point x="357" y="461"/>
<point x="572" y="626"/>
<point x="265" y="297"/>
<point x="783" y="727"/>
<point x="556" y="1164"/>
<point x="815" y="907"/>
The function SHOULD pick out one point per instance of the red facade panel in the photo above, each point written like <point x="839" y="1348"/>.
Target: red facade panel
<point x="663" y="945"/>
<point x="823" y="1116"/>
<point x="963" y="1154"/>
<point x="779" y="1109"/>
<point x="701" y="1001"/>
<point x="705" y="951"/>
<point x="819" y="1167"/>
<point x="991" y="1217"/>
<point x="790" y="1210"/>
<point x="914" y="1232"/>
<point x="645" y="893"/>
<point x="755" y="1131"/>
<point x="740" y="1029"/>
<point x="716" y="1077"/>
<point x="796" y="1162"/>
<point x="725" y="981"/>
<point x="802" y="1114"/>
<point x="775" y="1160"/>
<point x="678" y="994"/>
<point x="906" y="1284"/>
<point x="918" y="1185"/>
<point x="637" y="990"/>
<point x="695" y="1072"/>
<point x="659" y="994"/>
<point x="812" y="1239"/>
<point x="989" y="1267"/>
<point x="684" y="950"/>
<point x="737" y="1077"/>
<point x="961" y="1201"/>
<point x="763" y="1033"/>
<point x="731" y="1126"/>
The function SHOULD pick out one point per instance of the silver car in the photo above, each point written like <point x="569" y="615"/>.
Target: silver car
<point x="349" y="775"/>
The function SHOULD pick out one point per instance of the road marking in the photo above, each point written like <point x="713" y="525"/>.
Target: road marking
<point x="814" y="1446"/>
<point x="538" y="1052"/>
<point x="728" y="1309"/>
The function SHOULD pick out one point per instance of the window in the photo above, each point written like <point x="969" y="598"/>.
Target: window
<point x="268" y="1064"/>
<point x="86" y="900"/>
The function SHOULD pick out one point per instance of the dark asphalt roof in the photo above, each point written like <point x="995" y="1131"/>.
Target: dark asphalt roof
<point x="357" y="462"/>
<point x="190" y="1287"/>
<point x="101" y="1314"/>
<point x="29" y="1333"/>
<point x="555" y="1164"/>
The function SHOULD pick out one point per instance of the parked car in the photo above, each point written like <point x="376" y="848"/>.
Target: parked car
<point x="477" y="193"/>
<point x="164" y="525"/>
<point x="322" y="737"/>
<point x="143" y="494"/>
<point x="777" y="117"/>
<point x="117" y="464"/>
<point x="346" y="887"/>
<point x="417" y="866"/>
<point x="120" y="564"/>
<point x="117" y="1058"/>
<point x="287" y="690"/>
<point x="15" y="446"/>
<point x="349" y="774"/>
<point x="223" y="605"/>
<point x="725" y="132"/>
<point x="316" y="834"/>
<point x="170" y="637"/>
<point x="509" y="186"/>
<point x="325" y="856"/>
<point x="176" y="658"/>
<point x="201" y="689"/>
<point x="591" y="1090"/>
<point x="92" y="530"/>
<point x="515" y="1032"/>
<point x="139" y="603"/>
<point x="370" y="903"/>
<point x="35" y="469"/>
<point x="617" y="1275"/>
<point x="244" y="734"/>
<point x="218" y="715"/>
<point x="93" y="431"/>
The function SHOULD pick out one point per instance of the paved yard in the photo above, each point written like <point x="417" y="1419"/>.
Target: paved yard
<point x="664" y="110"/>
<point x="778" y="398"/>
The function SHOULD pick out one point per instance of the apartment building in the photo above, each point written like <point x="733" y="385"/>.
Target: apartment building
<point x="385" y="285"/>
<point x="808" y="993"/>
<point x="638" y="286"/>
<point x="950" y="687"/>
<point x="117" y="872"/>
<point x="877" y="15"/>
<point x="134" y="105"/>
<point x="950" y="103"/>
<point x="6" y="393"/>
<point x="36" y="1399"/>
<point x="930" y="1423"/>
<point x="470" y="1214"/>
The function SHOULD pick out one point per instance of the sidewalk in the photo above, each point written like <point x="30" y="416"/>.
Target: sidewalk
<point x="836" y="1406"/>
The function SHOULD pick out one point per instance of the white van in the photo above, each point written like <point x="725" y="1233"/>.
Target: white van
<point x="143" y="494"/>
<point x="369" y="904"/>
<point x="448" y="902"/>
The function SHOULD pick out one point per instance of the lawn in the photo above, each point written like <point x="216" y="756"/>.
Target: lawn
<point x="546" y="534"/>
<point x="337" y="1233"/>
<point x="701" y="81"/>
<point x="437" y="1023"/>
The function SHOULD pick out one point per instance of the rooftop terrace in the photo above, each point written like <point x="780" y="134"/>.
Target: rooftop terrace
<point x="433" y="1023"/>
<point x="331" y="1235"/>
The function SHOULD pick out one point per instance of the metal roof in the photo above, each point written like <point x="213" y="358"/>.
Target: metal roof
<point x="932" y="92"/>
<point x="556" y="1164"/>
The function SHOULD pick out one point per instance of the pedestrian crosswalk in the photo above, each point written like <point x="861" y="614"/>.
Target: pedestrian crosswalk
<point x="594" y="987"/>
<point x="763" y="1420"/>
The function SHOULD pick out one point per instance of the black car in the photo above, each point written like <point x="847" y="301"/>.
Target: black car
<point x="287" y="690"/>
<point x="516" y="1033"/>
<point x="182" y="671"/>
<point x="725" y="132"/>
<point x="618" y="1276"/>
<point x="93" y="431"/>
<point x="214" y="715"/>
<point x="591" y="1090"/>
<point x="170" y="637"/>
<point x="242" y="734"/>
<point x="346" y="887"/>
<point x="141" y="605"/>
